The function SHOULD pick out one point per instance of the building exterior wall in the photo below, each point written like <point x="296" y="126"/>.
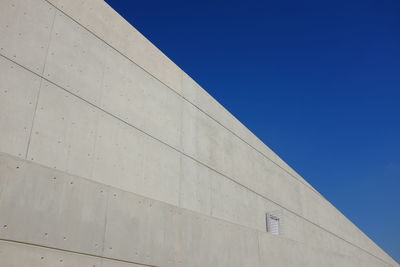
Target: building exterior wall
<point x="110" y="155"/>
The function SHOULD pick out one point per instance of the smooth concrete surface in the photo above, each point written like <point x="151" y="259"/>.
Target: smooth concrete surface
<point x="78" y="217"/>
<point x="75" y="59"/>
<point x="149" y="168"/>
<point x="65" y="124"/>
<point x="18" y="96"/>
<point x="195" y="186"/>
<point x="104" y="22"/>
<point x="25" y="28"/>
<point x="21" y="255"/>
<point x="51" y="208"/>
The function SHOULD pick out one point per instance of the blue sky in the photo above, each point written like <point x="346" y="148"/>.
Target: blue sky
<point x="317" y="81"/>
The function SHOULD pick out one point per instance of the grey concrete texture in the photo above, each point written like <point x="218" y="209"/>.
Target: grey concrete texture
<point x="108" y="25"/>
<point x="92" y="223"/>
<point x="21" y="255"/>
<point x="18" y="96"/>
<point x="25" y="31"/>
<point x="97" y="220"/>
<point x="84" y="93"/>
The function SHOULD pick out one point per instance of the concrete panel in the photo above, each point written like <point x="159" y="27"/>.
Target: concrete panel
<point x="238" y="161"/>
<point x="161" y="172"/>
<point x="297" y="229"/>
<point x="130" y="160"/>
<point x="270" y="155"/>
<point x="71" y="135"/>
<point x="64" y="132"/>
<point x="100" y="19"/>
<point x="195" y="186"/>
<point x="155" y="62"/>
<point x="366" y="260"/>
<point x="325" y="215"/>
<point x="202" y="241"/>
<point x="279" y="252"/>
<point x="76" y="59"/>
<point x="25" y="27"/>
<point x="135" y="96"/>
<point x="291" y="199"/>
<point x="150" y="232"/>
<point x="322" y="213"/>
<point x="199" y="97"/>
<point x="189" y="88"/>
<point x="103" y="21"/>
<point x="347" y="230"/>
<point x="188" y="129"/>
<point x="313" y="208"/>
<point x="209" y="142"/>
<point x="124" y="85"/>
<point x="196" y="95"/>
<point x="21" y="255"/>
<point x="139" y="230"/>
<point x="129" y="92"/>
<point x="162" y="113"/>
<point x="215" y="111"/>
<point x="119" y="154"/>
<point x="264" y="175"/>
<point x="212" y="144"/>
<point x="274" y="181"/>
<point x="234" y="203"/>
<point x="154" y="126"/>
<point x="18" y="95"/>
<point x="56" y="210"/>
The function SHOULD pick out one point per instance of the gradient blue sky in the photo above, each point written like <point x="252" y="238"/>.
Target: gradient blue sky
<point x="317" y="81"/>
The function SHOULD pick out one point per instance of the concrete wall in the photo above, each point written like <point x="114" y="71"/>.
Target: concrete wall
<point x="110" y="155"/>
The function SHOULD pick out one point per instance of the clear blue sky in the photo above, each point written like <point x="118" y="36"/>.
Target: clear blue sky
<point x="317" y="81"/>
